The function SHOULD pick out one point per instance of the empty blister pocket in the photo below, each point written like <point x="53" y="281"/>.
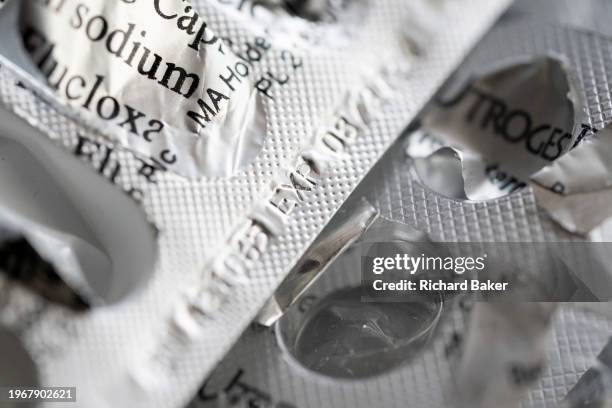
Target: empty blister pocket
<point x="490" y="134"/>
<point x="334" y="334"/>
<point x="343" y="337"/>
<point x="96" y="237"/>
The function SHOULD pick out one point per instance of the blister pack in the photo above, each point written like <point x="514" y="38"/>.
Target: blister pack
<point x="168" y="162"/>
<point x="512" y="150"/>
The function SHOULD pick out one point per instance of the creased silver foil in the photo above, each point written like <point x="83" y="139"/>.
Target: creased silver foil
<point x="577" y="188"/>
<point x="521" y="125"/>
<point x="225" y="243"/>
<point x="558" y="351"/>
<point x="337" y="237"/>
<point x="498" y="125"/>
<point x="155" y="74"/>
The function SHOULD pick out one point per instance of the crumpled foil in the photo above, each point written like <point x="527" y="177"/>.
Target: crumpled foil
<point x="260" y="370"/>
<point x="333" y="104"/>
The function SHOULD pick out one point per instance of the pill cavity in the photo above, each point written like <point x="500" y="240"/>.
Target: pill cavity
<point x="505" y="125"/>
<point x="71" y="220"/>
<point x="343" y="337"/>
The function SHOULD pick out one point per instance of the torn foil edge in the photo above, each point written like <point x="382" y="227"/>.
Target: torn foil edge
<point x="574" y="189"/>
<point x="192" y="151"/>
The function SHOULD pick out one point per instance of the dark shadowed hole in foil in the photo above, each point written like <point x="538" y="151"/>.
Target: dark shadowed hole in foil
<point x="20" y="262"/>
<point x="323" y="11"/>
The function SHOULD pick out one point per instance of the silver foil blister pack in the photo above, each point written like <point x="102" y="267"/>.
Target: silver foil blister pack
<point x="533" y="54"/>
<point x="267" y="128"/>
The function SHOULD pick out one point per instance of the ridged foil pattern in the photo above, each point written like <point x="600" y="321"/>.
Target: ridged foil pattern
<point x="104" y="351"/>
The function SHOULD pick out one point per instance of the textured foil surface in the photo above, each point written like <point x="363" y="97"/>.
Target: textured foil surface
<point x="154" y="346"/>
<point x="259" y="368"/>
